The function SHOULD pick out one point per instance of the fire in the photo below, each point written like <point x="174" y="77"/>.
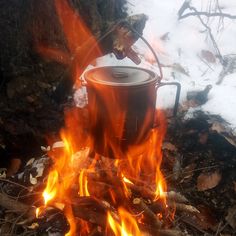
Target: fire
<point x="37" y="212"/>
<point x="144" y="160"/>
<point x="83" y="183"/>
<point x="51" y="188"/>
<point x="140" y="164"/>
<point x="79" y="41"/>
<point x="127" y="226"/>
<point x="126" y="180"/>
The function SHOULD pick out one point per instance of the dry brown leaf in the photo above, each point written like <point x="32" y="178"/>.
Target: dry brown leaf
<point x="178" y="67"/>
<point x="207" y="181"/>
<point x="208" y="56"/>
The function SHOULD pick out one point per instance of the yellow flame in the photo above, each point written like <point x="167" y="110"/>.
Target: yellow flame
<point x="37" y="212"/>
<point x="51" y="188"/>
<point x="126" y="180"/>
<point x="83" y="184"/>
<point x="128" y="225"/>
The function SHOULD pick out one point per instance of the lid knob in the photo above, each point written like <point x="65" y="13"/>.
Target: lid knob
<point x="120" y="74"/>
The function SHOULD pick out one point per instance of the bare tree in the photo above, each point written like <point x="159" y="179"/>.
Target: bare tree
<point x="228" y="62"/>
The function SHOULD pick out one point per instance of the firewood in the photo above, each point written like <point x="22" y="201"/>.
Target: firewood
<point x="149" y="215"/>
<point x="183" y="207"/>
<point x="170" y="232"/>
<point x="93" y="210"/>
<point x="161" y="232"/>
<point x="177" y="197"/>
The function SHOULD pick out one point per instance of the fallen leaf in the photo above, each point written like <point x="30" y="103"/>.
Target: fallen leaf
<point x="207" y="181"/>
<point x="208" y="56"/>
<point x="179" y="68"/>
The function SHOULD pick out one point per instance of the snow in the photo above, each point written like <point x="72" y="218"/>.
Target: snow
<point x="186" y="39"/>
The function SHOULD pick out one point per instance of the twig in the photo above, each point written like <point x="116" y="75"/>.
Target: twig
<point x="210" y="34"/>
<point x="205" y="63"/>
<point x="199" y="14"/>
<point x="195" y="170"/>
<point x="161" y="232"/>
<point x="202" y="13"/>
<point x="11" y="182"/>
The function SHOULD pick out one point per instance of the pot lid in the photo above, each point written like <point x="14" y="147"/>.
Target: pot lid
<point x="120" y="76"/>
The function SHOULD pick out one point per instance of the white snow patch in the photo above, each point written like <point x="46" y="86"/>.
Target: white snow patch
<point x="186" y="39"/>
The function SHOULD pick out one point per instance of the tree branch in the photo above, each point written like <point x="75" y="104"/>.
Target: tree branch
<point x="199" y="14"/>
<point x="202" y="13"/>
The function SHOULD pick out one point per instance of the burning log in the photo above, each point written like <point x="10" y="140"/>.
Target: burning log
<point x="150" y="217"/>
<point x="93" y="210"/>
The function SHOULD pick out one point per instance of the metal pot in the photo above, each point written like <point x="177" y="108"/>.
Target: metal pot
<point x="122" y="104"/>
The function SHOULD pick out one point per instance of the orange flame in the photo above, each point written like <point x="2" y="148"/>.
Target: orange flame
<point x="142" y="161"/>
<point x="128" y="225"/>
<point x="83" y="183"/>
<point x="126" y="180"/>
<point x="51" y="188"/>
<point x="79" y="41"/>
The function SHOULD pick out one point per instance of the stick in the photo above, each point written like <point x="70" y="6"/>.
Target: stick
<point x="161" y="232"/>
<point x="201" y="13"/>
<point x="151" y="217"/>
<point x="183" y="207"/>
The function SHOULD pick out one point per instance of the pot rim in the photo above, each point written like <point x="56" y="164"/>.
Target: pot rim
<point x="153" y="77"/>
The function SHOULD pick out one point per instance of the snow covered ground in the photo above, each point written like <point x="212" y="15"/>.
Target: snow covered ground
<point x="182" y="46"/>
